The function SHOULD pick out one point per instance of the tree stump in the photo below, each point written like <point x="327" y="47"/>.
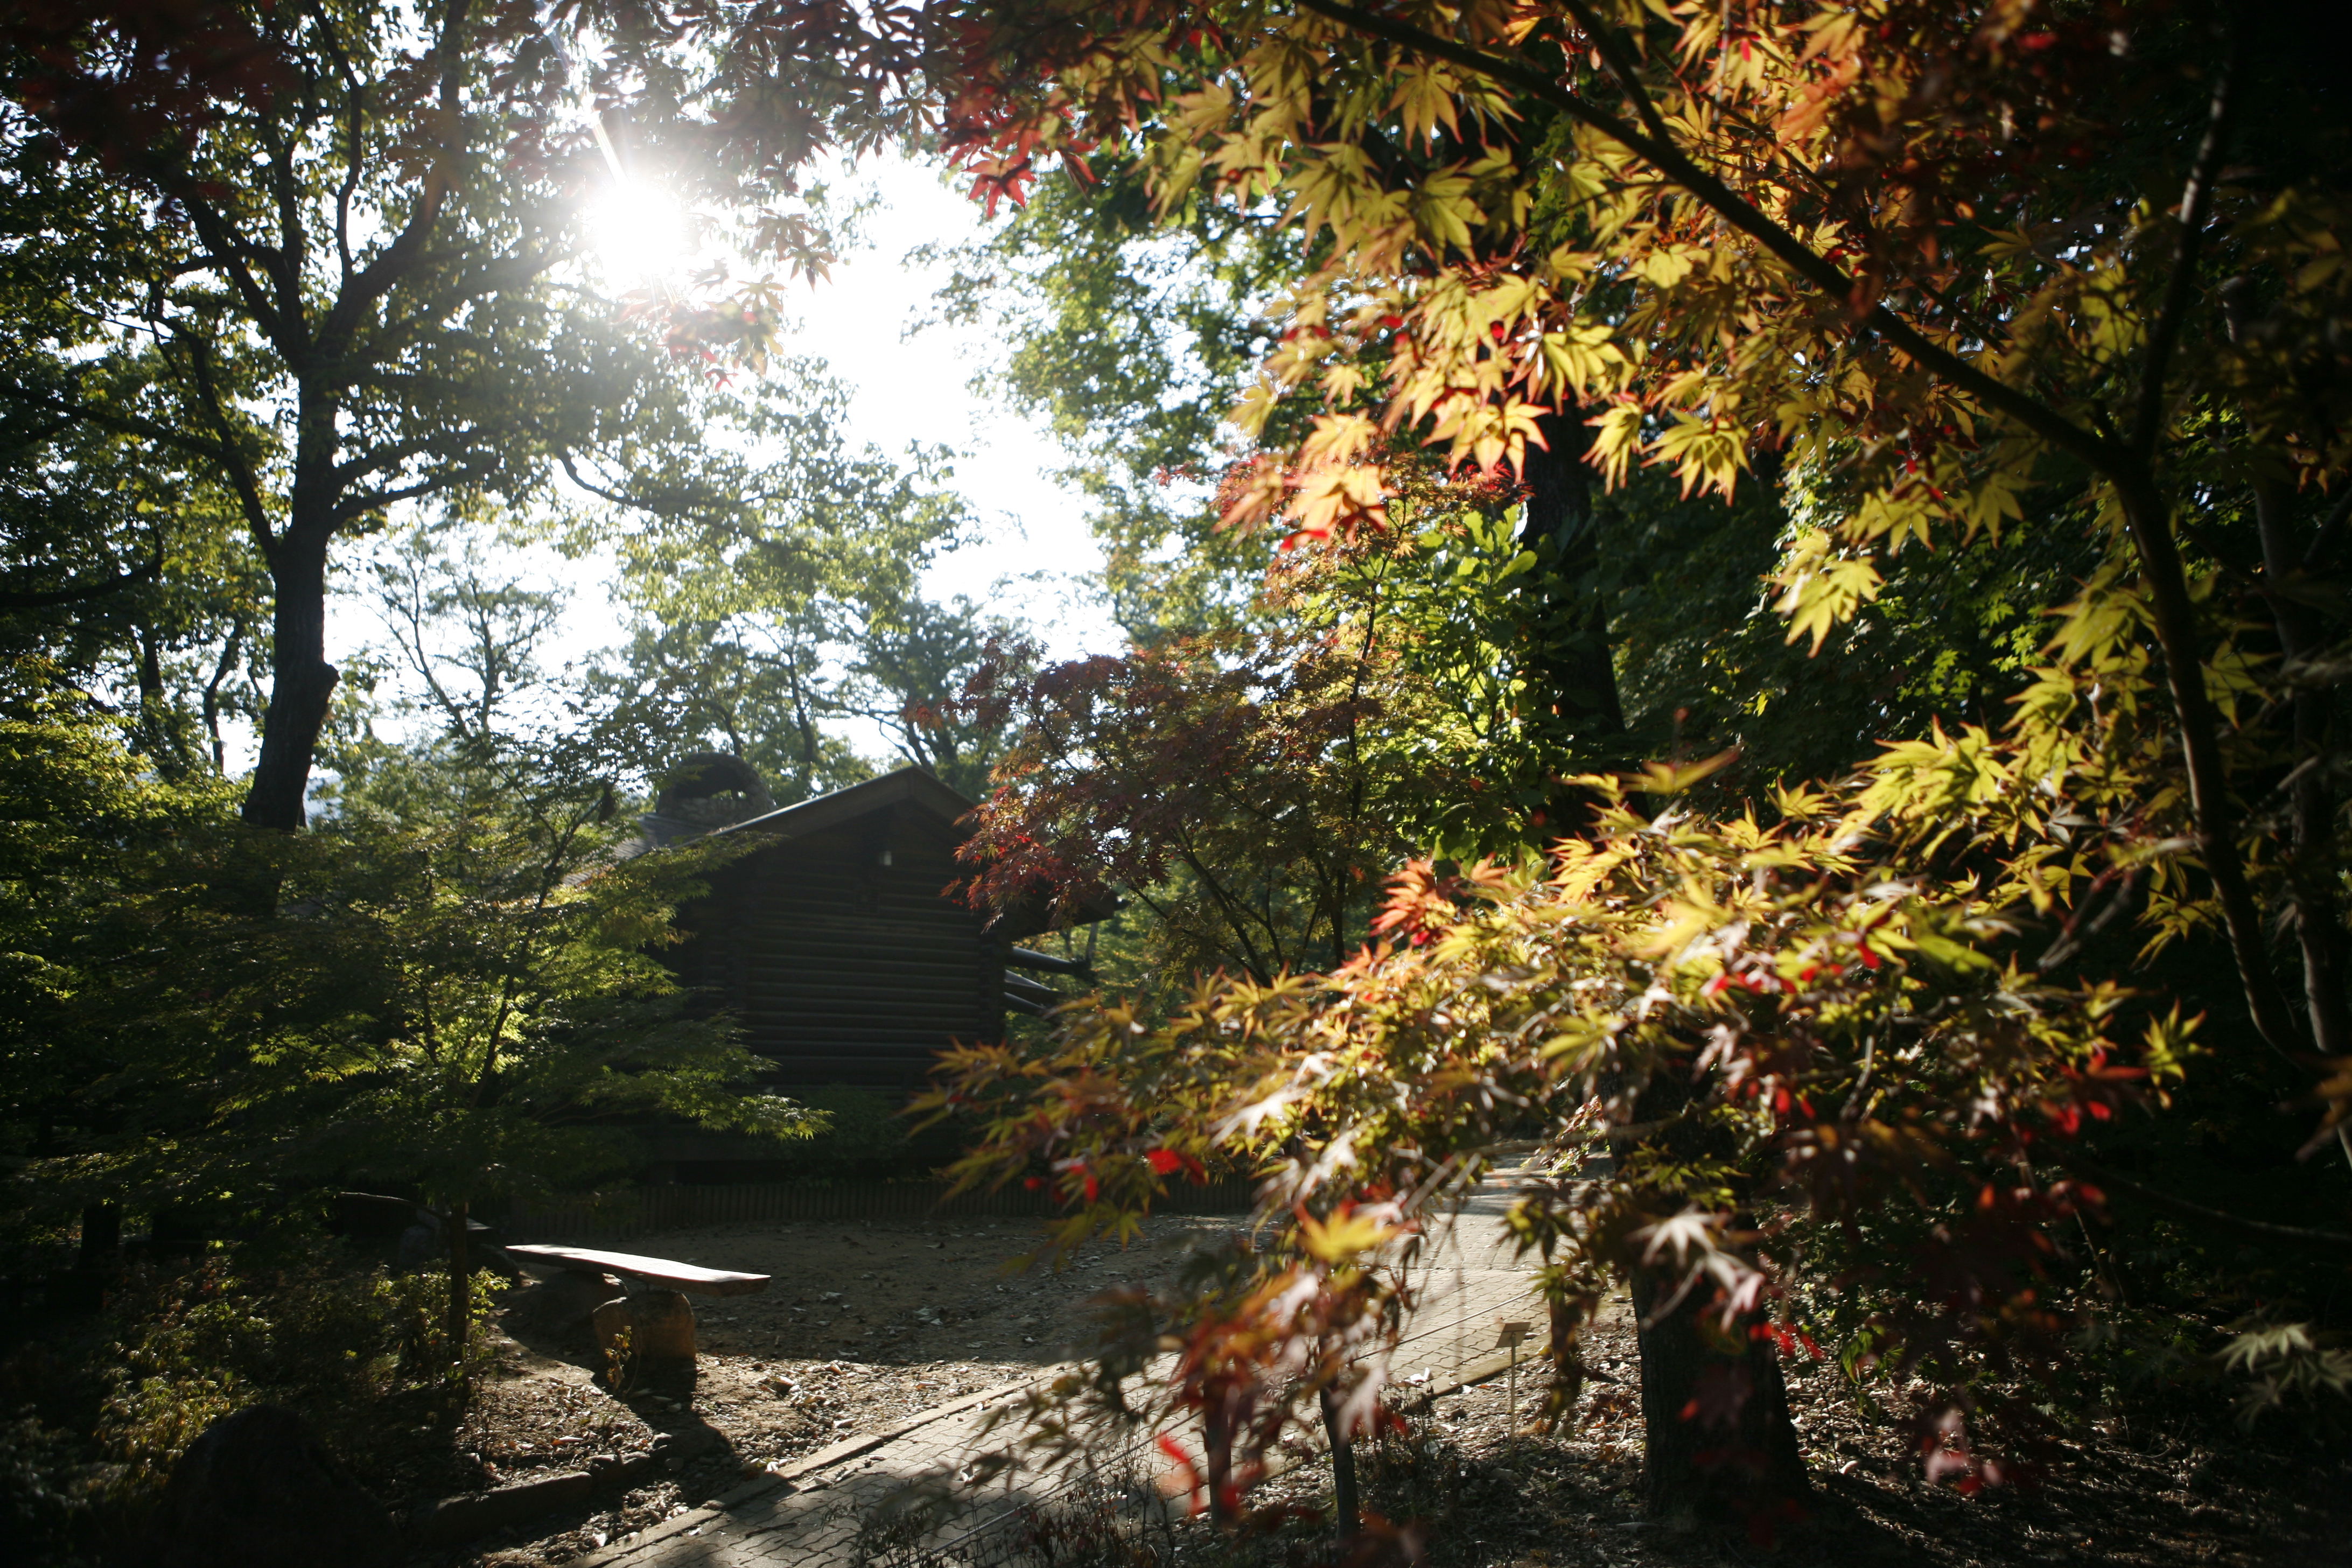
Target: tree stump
<point x="660" y="1326"/>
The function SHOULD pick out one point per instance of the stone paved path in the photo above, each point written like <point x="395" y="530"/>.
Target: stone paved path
<point x="809" y="1514"/>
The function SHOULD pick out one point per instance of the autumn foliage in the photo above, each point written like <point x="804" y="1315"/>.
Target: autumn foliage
<point x="1785" y="1034"/>
<point x="1939" y="274"/>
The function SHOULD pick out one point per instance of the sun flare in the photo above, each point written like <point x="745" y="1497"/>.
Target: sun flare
<point x="639" y="232"/>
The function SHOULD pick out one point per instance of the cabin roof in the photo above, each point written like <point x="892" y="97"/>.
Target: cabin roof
<point x="908" y="786"/>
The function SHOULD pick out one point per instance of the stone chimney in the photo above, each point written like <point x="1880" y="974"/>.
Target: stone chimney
<point x="704" y="791"/>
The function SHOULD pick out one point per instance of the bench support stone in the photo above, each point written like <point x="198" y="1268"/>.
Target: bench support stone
<point x="660" y="1325"/>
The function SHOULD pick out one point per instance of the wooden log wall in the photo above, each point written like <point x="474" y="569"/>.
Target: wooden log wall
<point x="845" y="969"/>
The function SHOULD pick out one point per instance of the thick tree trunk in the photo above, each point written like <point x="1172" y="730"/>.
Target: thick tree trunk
<point x="459" y="1323"/>
<point x="1570" y="656"/>
<point x="101" y="1236"/>
<point x="1718" y="1441"/>
<point x="303" y="685"/>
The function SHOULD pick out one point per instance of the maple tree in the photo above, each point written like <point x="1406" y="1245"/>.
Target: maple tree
<point x="756" y="623"/>
<point x="1779" y="1033"/>
<point x="1249" y="794"/>
<point x="1874" y="242"/>
<point x="1786" y="227"/>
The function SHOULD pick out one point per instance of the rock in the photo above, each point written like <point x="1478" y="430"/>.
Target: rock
<point x="420" y="1244"/>
<point x="258" y="1489"/>
<point x="462" y="1518"/>
<point x="660" y="1325"/>
<point x="686" y="1444"/>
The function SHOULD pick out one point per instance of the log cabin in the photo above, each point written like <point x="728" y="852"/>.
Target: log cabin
<point x="836" y="942"/>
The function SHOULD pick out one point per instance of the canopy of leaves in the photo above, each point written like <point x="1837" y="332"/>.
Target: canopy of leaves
<point x="1949" y="280"/>
<point x="1249" y="793"/>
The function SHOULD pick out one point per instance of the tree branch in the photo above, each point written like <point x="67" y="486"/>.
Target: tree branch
<point x="227" y="249"/>
<point x="2100" y="1173"/>
<point x="355" y="119"/>
<point x="230" y="453"/>
<point x="2148" y="421"/>
<point x="78" y="593"/>
<point x="286" y="262"/>
<point x="1825" y="275"/>
<point x="229" y="651"/>
<point x="1613" y="55"/>
<point x="2331" y="533"/>
<point x="366" y="501"/>
<point x="393" y="263"/>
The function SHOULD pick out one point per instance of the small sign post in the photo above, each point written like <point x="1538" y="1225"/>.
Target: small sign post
<point x="1509" y="1333"/>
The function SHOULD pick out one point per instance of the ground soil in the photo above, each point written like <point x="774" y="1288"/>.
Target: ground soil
<point x="865" y="1325"/>
<point x="2146" y="1493"/>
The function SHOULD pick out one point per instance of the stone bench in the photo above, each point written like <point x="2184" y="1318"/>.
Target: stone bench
<point x="659" y="1322"/>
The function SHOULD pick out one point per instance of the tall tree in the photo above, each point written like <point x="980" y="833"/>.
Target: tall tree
<point x="358" y="283"/>
<point x="761" y="627"/>
<point x="1249" y="794"/>
<point x="461" y="991"/>
<point x="1131" y="338"/>
<point x="1815" y="188"/>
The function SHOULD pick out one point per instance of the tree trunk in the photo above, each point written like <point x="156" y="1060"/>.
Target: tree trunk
<point x="101" y="1236"/>
<point x="229" y="650"/>
<point x="1566" y="1326"/>
<point x="1569" y="657"/>
<point x="459" y="1323"/>
<point x="1718" y="1441"/>
<point x="1217" y="1434"/>
<point x="303" y="685"/>
<point x="2312" y="873"/>
<point x="1343" y="1470"/>
<point x="2148" y="522"/>
<point x="154" y="724"/>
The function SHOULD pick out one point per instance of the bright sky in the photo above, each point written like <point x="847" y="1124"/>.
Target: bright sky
<point x="1035" y="555"/>
<point x="1035" y="551"/>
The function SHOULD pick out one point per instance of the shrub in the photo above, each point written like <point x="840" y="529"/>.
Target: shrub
<point x="180" y="1349"/>
<point x="865" y="1137"/>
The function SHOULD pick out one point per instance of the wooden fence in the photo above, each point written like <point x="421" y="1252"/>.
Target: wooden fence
<point x="643" y="1211"/>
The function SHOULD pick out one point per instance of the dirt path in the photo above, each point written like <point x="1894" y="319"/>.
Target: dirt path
<point x="936" y="1476"/>
<point x="863" y="1326"/>
<point x="867" y="1327"/>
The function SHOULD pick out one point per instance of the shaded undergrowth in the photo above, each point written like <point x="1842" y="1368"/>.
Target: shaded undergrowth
<point x="95" y="1411"/>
